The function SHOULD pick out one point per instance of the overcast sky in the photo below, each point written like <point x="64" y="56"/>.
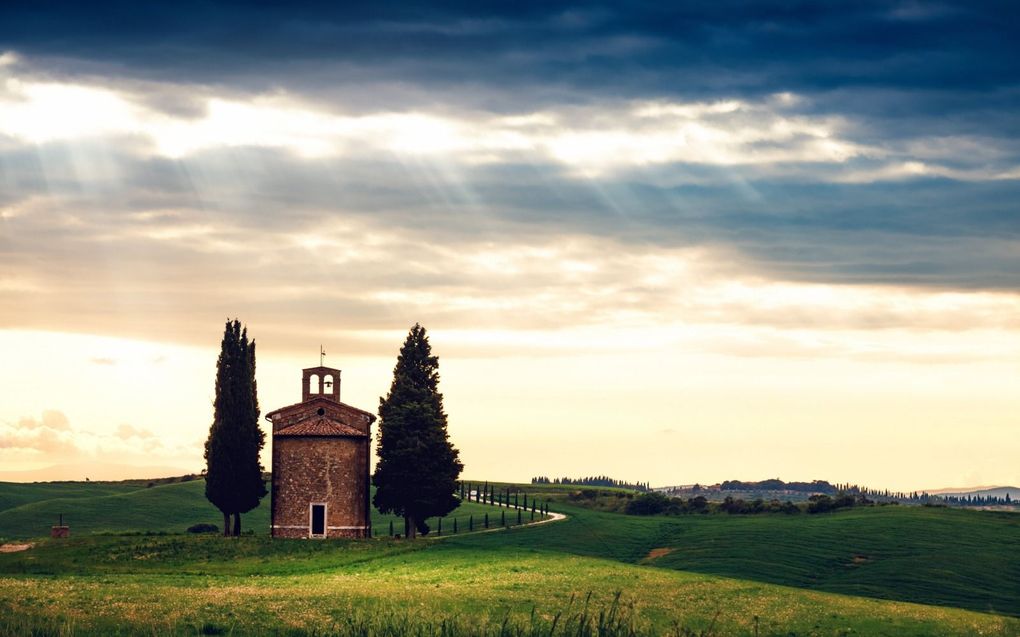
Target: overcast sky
<point x="725" y="241"/>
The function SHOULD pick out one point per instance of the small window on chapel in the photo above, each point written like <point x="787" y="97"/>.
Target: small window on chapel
<point x="321" y="412"/>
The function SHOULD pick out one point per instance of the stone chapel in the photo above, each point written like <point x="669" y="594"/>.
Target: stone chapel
<point x="320" y="463"/>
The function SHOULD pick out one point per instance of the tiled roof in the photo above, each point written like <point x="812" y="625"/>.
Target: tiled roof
<point x="318" y="401"/>
<point x="319" y="427"/>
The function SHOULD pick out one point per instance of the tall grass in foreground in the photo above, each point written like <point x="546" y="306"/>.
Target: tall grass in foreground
<point x="578" y="619"/>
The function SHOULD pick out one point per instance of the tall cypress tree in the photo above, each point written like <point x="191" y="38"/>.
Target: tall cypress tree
<point x="233" y="481"/>
<point x="416" y="476"/>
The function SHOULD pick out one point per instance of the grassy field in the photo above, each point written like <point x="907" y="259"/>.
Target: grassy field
<point x="516" y="582"/>
<point x="28" y="510"/>
<point x="13" y="494"/>
<point x="968" y="559"/>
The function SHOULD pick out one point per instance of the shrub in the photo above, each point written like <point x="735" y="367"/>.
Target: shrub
<point x="651" y="503"/>
<point x="819" y="504"/>
<point x="203" y="528"/>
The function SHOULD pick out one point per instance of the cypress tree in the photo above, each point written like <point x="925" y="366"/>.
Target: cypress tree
<point x="471" y="523"/>
<point x="233" y="481"/>
<point x="416" y="476"/>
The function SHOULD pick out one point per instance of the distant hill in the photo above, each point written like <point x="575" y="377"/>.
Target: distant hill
<point x="92" y="470"/>
<point x="984" y="492"/>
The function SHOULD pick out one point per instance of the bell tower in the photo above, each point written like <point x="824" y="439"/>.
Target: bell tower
<point x="321" y="462"/>
<point x="320" y="382"/>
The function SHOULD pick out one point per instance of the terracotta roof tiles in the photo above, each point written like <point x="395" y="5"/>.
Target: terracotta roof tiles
<point x="319" y="427"/>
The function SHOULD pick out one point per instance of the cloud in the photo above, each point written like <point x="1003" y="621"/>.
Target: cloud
<point x="739" y="47"/>
<point x="125" y="432"/>
<point x="51" y="419"/>
<point x="589" y="140"/>
<point x="51" y="438"/>
<point x="509" y="169"/>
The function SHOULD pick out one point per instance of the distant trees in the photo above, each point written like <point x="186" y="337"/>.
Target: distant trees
<point x="655" y="503"/>
<point x="775" y="484"/>
<point x="233" y="476"/>
<point x="416" y="476"/>
<point x="648" y="504"/>
<point x="592" y="481"/>
<point x="775" y="488"/>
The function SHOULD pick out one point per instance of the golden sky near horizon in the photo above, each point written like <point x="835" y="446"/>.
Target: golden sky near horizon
<point x="629" y="287"/>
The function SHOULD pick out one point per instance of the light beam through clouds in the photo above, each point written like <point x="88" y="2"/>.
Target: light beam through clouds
<point x="788" y="254"/>
<point x="589" y="140"/>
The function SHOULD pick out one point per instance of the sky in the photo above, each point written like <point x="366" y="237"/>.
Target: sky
<point x="669" y="244"/>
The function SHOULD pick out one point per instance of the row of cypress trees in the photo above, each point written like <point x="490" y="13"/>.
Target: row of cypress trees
<point x="488" y="494"/>
<point x="544" y="510"/>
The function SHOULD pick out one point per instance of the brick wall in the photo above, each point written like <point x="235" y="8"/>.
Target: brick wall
<point x="326" y="470"/>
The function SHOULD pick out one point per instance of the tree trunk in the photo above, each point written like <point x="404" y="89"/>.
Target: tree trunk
<point x="226" y="524"/>
<point x="410" y="529"/>
<point x="237" y="525"/>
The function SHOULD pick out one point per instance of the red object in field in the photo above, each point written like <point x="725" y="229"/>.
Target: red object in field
<point x="60" y="529"/>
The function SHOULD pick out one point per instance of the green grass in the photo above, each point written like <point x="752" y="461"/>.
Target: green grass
<point x="968" y="559"/>
<point x="168" y="508"/>
<point x="798" y="574"/>
<point x="172" y="584"/>
<point x="14" y="494"/>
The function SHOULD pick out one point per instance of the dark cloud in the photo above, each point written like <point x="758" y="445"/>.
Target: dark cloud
<point x="923" y="231"/>
<point x="539" y="48"/>
<point x="906" y="82"/>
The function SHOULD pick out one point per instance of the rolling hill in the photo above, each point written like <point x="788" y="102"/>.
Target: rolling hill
<point x="880" y="570"/>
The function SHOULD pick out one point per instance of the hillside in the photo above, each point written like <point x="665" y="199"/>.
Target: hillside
<point x="28" y="510"/>
<point x="208" y="585"/>
<point x="15" y="494"/>
<point x="800" y="574"/>
<point x="982" y="492"/>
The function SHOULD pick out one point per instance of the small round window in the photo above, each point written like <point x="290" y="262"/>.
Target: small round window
<point x="321" y="411"/>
